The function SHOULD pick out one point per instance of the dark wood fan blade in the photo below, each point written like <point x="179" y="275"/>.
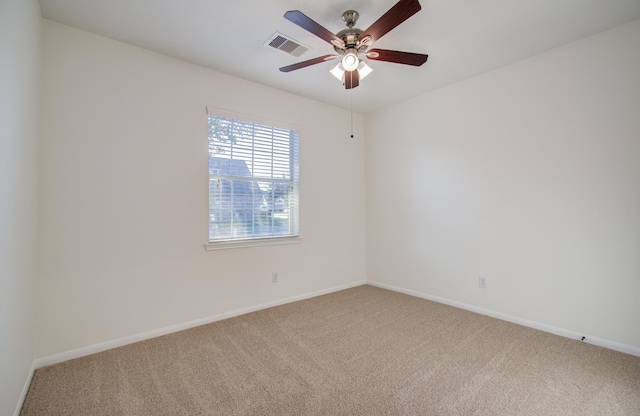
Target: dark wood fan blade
<point x="398" y="57"/>
<point x="351" y="79"/>
<point x="300" y="19"/>
<point x="402" y="10"/>
<point x="304" y="64"/>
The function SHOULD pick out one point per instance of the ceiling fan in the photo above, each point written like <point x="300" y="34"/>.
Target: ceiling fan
<point x="352" y="43"/>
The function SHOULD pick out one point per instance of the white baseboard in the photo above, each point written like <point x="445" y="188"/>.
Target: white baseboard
<point x="25" y="389"/>
<point x="612" y="345"/>
<point x="92" y="349"/>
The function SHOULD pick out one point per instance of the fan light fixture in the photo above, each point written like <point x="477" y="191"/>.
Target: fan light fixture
<point x="350" y="60"/>
<point x="363" y="70"/>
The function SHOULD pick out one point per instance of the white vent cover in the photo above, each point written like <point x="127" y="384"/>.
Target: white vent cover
<point x="286" y="44"/>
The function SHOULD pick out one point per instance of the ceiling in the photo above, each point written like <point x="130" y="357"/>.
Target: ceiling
<point x="463" y="38"/>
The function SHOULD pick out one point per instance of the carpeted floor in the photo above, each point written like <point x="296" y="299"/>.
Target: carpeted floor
<point x="361" y="351"/>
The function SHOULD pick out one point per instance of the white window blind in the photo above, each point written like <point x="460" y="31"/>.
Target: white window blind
<point x="253" y="180"/>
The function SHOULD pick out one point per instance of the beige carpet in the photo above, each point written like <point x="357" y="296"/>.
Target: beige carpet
<point x="361" y="351"/>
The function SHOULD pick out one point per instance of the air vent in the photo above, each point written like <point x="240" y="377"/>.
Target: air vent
<point x="286" y="44"/>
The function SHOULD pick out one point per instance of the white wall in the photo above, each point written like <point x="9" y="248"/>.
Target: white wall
<point x="528" y="175"/>
<point x="19" y="89"/>
<point x="124" y="195"/>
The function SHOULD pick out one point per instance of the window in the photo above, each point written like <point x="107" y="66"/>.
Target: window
<point x="253" y="180"/>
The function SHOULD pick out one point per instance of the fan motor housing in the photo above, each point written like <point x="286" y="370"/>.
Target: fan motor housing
<point x="350" y="39"/>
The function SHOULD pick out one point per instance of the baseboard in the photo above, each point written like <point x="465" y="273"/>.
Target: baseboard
<point x="81" y="352"/>
<point x="612" y="345"/>
<point x="25" y="389"/>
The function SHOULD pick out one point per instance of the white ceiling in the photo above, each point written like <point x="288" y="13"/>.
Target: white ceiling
<point x="462" y="37"/>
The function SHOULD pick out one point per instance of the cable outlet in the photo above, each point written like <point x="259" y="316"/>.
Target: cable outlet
<point x="274" y="277"/>
<point x="482" y="282"/>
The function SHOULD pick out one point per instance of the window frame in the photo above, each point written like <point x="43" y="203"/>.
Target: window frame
<point x="253" y="241"/>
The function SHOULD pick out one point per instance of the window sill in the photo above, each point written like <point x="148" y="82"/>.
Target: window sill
<point x="225" y="245"/>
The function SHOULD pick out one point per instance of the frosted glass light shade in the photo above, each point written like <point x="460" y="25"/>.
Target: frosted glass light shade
<point x="350" y="60"/>
<point x="364" y="69"/>
<point x="338" y="71"/>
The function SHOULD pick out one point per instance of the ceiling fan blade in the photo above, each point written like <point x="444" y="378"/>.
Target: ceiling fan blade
<point x="398" y="57"/>
<point x="402" y="10"/>
<point x="351" y="79"/>
<point x="310" y="62"/>
<point x="302" y="20"/>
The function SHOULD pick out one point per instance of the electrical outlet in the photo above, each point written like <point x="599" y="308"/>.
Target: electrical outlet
<point x="482" y="282"/>
<point x="274" y="277"/>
